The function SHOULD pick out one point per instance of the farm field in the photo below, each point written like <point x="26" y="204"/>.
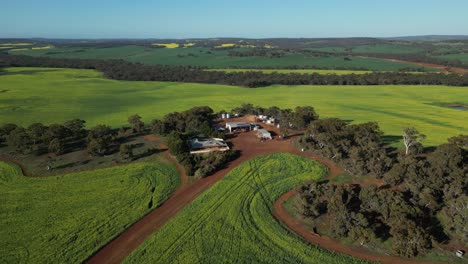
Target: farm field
<point x="213" y="58"/>
<point x="51" y="95"/>
<point x="329" y="49"/>
<point x="299" y="71"/>
<point x="376" y="48"/>
<point x="233" y="220"/>
<point x="463" y="57"/>
<point x="65" y="219"/>
<point x="386" y="48"/>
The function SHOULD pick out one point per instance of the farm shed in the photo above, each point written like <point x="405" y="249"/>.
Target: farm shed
<point x="237" y="126"/>
<point x="205" y="145"/>
<point x="263" y="133"/>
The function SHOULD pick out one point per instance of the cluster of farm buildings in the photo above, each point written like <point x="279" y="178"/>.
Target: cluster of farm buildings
<point x="205" y="145"/>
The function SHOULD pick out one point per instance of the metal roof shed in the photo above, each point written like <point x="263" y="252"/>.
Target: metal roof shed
<point x="263" y="133"/>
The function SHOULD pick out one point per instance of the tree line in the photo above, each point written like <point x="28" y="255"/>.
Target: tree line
<point x="123" y="70"/>
<point x="38" y="139"/>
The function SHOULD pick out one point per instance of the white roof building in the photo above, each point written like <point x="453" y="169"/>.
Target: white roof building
<point x="232" y="126"/>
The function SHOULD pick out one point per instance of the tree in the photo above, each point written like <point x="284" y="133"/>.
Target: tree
<point x="6" y="129"/>
<point x="454" y="217"/>
<point x="302" y="117"/>
<point x="56" y="131"/>
<point x="158" y="127"/>
<point x="75" y="127"/>
<point x="409" y="239"/>
<point x="97" y="147"/>
<point x="19" y="139"/>
<point x="100" y="138"/>
<point x="36" y="131"/>
<point x="461" y="141"/>
<point x="126" y="151"/>
<point x="176" y="144"/>
<point x="56" y="146"/>
<point x="136" y="123"/>
<point x="412" y="138"/>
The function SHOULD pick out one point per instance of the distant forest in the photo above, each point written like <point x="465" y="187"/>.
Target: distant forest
<point x="123" y="70"/>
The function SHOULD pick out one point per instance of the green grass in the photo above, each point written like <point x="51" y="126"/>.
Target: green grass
<point x="299" y="71"/>
<point x="212" y="58"/>
<point x="65" y="219"/>
<point x="329" y="49"/>
<point x="232" y="222"/>
<point x="463" y="57"/>
<point x="386" y="48"/>
<point x="56" y="95"/>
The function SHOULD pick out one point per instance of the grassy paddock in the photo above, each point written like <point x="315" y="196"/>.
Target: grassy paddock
<point x="55" y="95"/>
<point x="463" y="57"/>
<point x="300" y="71"/>
<point x="232" y="222"/>
<point x="65" y="219"/>
<point x="212" y="58"/>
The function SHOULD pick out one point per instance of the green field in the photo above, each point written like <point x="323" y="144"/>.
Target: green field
<point x="463" y="57"/>
<point x="329" y="49"/>
<point x="49" y="95"/>
<point x="232" y="221"/>
<point x="386" y="48"/>
<point x="65" y="219"/>
<point x="299" y="71"/>
<point x="212" y="58"/>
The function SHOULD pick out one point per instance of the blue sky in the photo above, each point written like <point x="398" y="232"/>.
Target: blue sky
<point x="235" y="18"/>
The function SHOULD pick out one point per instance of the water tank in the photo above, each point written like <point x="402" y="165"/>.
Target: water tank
<point x="223" y="115"/>
<point x="228" y="116"/>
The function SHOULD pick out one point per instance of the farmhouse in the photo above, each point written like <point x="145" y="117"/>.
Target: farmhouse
<point x="237" y="126"/>
<point x="205" y="145"/>
<point x="263" y="134"/>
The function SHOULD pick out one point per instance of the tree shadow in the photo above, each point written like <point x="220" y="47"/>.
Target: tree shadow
<point x="147" y="153"/>
<point x="390" y="139"/>
<point x="72" y="164"/>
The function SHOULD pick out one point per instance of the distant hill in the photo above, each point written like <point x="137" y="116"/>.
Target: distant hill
<point x="430" y="38"/>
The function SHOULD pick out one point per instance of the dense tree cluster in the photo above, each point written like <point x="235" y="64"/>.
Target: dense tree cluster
<point x="180" y="128"/>
<point x="425" y="200"/>
<point x="358" y="148"/>
<point x="70" y="136"/>
<point x="122" y="70"/>
<point x="39" y="139"/>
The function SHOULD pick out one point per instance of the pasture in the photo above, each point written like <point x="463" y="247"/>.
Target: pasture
<point x="65" y="219"/>
<point x="51" y="95"/>
<point x="463" y="57"/>
<point x="386" y="48"/>
<point x="298" y="71"/>
<point x="233" y="221"/>
<point x="214" y="58"/>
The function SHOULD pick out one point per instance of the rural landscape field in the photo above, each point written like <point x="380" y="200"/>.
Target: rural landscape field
<point x="251" y="133"/>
